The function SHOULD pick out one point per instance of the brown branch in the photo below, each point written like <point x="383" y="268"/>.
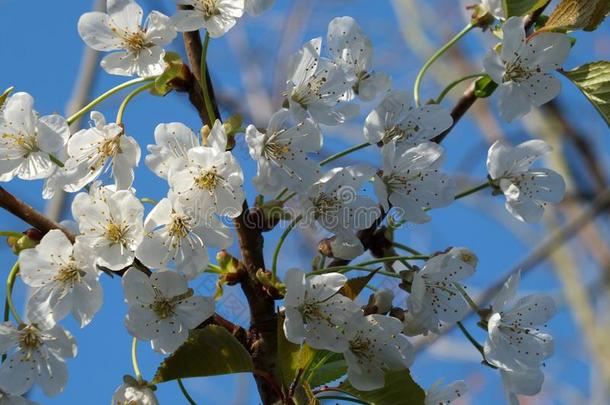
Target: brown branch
<point x="29" y="214"/>
<point x="262" y="343"/>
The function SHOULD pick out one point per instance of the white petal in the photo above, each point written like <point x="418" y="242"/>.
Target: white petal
<point x="94" y="29"/>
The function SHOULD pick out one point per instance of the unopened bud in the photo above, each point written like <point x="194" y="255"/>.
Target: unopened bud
<point x="382" y="300"/>
<point x="325" y="248"/>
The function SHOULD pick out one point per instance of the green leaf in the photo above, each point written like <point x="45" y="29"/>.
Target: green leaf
<point x="577" y="14"/>
<point x="5" y="95"/>
<point x="355" y="285"/>
<point x="328" y="372"/>
<point x="593" y="80"/>
<point x="174" y="71"/>
<point x="208" y="351"/>
<point x="399" y="389"/>
<point x="484" y="87"/>
<point x="521" y="7"/>
<point x="291" y="357"/>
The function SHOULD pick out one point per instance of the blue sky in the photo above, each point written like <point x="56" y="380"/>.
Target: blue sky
<point x="40" y="51"/>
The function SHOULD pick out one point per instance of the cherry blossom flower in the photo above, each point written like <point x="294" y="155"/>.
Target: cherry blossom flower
<point x="333" y="203"/>
<point x="38" y="358"/>
<point x="434" y="297"/>
<point x="216" y="16"/>
<point x="396" y="119"/>
<point x="120" y="29"/>
<point x="523" y="382"/>
<point x="173" y="142"/>
<point x="515" y="341"/>
<point x="134" y="392"/>
<point x="28" y="140"/>
<point x="438" y="394"/>
<point x="63" y="278"/>
<point x="90" y="150"/>
<point x="173" y="234"/>
<point x="110" y="222"/>
<point x="315" y="311"/>
<point x="522" y="68"/>
<point x="316" y="85"/>
<point x="8" y="399"/>
<point x="162" y="308"/>
<point x="527" y="190"/>
<point x="351" y="49"/>
<point x="281" y="154"/>
<point x="257" y="7"/>
<point x="210" y="180"/>
<point x="376" y="345"/>
<point x="411" y="182"/>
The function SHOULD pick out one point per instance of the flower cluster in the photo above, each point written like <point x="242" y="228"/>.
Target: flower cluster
<point x="158" y="253"/>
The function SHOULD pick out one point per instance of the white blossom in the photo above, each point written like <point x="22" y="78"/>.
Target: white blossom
<point x="132" y="392"/>
<point x="27" y="140"/>
<point x="216" y="16"/>
<point x="93" y="150"/>
<point x="257" y="7"/>
<point x="38" y="358"/>
<point x="8" y="399"/>
<point x="281" y="153"/>
<point x="494" y="7"/>
<point x="63" y="278"/>
<point x="375" y="346"/>
<point x="173" y="234"/>
<point x="333" y="203"/>
<point x="515" y="341"/>
<point x="162" y="308"/>
<point x="396" y="119"/>
<point x="523" y="382"/>
<point x="438" y="394"/>
<point x="382" y="300"/>
<point x="434" y="297"/>
<point x="522" y="68"/>
<point x="172" y="143"/>
<point x="315" y="311"/>
<point x="316" y="85"/>
<point x="210" y="180"/>
<point x="351" y="49"/>
<point x="527" y="190"/>
<point x="140" y="48"/>
<point x="411" y="182"/>
<point x="110" y="222"/>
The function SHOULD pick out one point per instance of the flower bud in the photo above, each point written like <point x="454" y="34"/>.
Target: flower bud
<point x="382" y="300"/>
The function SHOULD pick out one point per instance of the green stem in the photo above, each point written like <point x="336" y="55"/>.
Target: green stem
<point x="11" y="233"/>
<point x="451" y="85"/>
<point x="147" y="200"/>
<point x="433" y="59"/>
<point x="281" y="194"/>
<point x="343" y="269"/>
<point x="280" y="242"/>
<point x="338" y="155"/>
<point x="134" y="359"/>
<point x="10" y="282"/>
<point x="471" y="339"/>
<point x="472" y="190"/>
<point x="185" y="392"/>
<point x="342" y="398"/>
<point x="204" y="81"/>
<point x="55" y="160"/>
<point x="473" y="305"/>
<point x="406" y="248"/>
<point x="128" y="98"/>
<point x="103" y="97"/>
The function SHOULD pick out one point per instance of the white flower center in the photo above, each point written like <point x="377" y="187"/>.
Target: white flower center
<point x="515" y="72"/>
<point x="305" y="94"/>
<point x="276" y="150"/>
<point x="25" y="142"/>
<point x="69" y="273"/>
<point x="402" y="182"/>
<point x="117" y="233"/>
<point x="135" y="41"/>
<point x="29" y="340"/>
<point x="208" y="180"/>
<point x="180" y="225"/>
<point x="209" y="8"/>
<point x="165" y="307"/>
<point x="361" y="348"/>
<point x="324" y="204"/>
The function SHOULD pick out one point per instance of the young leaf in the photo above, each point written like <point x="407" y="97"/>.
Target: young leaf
<point x="355" y="285"/>
<point x="593" y="80"/>
<point x="208" y="351"/>
<point x="328" y="372"/>
<point x="291" y="357"/>
<point x="484" y="87"/>
<point x="521" y="7"/>
<point x="399" y="389"/>
<point x="578" y="14"/>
